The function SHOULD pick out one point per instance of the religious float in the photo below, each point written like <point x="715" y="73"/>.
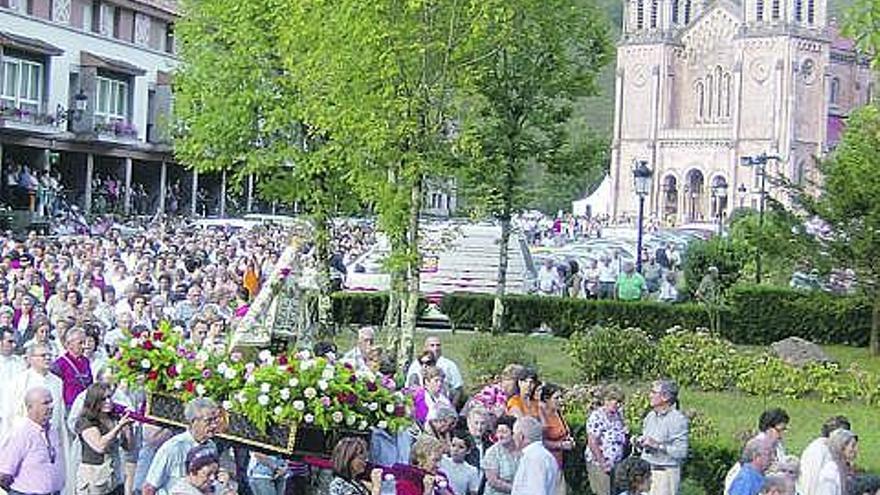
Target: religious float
<point x="284" y="402"/>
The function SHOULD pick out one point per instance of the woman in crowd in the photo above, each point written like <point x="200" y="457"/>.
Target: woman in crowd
<point x="100" y="436"/>
<point x="501" y="459"/>
<point x="43" y="336"/>
<point x="843" y="445"/>
<point x="416" y="379"/>
<point x="429" y="397"/>
<point x="557" y="435"/>
<point x="606" y="439"/>
<point x="440" y="423"/>
<point x="23" y="318"/>
<point x="423" y="476"/>
<point x="349" y="464"/>
<point x="524" y="402"/>
<point x="202" y="465"/>
<point x="633" y="476"/>
<point x="493" y="397"/>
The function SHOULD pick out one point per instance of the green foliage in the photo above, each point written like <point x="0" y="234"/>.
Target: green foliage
<point x="602" y="353"/>
<point x="699" y="359"/>
<point x="717" y="252"/>
<point x="363" y="308"/>
<point x="707" y="464"/>
<point x="762" y="315"/>
<point x="488" y="355"/>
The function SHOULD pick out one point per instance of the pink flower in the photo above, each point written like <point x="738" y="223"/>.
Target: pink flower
<point x="325" y="400"/>
<point x="235" y="357"/>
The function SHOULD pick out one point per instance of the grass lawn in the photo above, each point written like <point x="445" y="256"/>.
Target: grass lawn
<point x="732" y="412"/>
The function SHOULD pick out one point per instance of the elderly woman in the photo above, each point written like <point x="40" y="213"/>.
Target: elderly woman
<point x="844" y="447"/>
<point x="501" y="460"/>
<point x="606" y="438"/>
<point x="202" y="465"/>
<point x="493" y="397"/>
<point x="524" y="402"/>
<point x="429" y="397"/>
<point x="73" y="367"/>
<point x="423" y="476"/>
<point x="349" y="464"/>
<point x="101" y="436"/>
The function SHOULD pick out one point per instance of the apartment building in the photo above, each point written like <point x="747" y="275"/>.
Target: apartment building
<point x="85" y="94"/>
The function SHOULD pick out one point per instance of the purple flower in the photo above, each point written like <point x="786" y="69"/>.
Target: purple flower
<point x="372" y="387"/>
<point x="190" y="355"/>
<point x="206" y="373"/>
<point x="181" y="352"/>
<point x="326" y="401"/>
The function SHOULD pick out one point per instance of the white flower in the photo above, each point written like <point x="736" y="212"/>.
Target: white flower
<point x="178" y="384"/>
<point x="382" y="425"/>
<point x="159" y="344"/>
<point x="200" y="389"/>
<point x="337" y="417"/>
<point x="221" y="368"/>
<point x="303" y="354"/>
<point x="145" y="364"/>
<point x="241" y="397"/>
<point x="251" y="379"/>
<point x="202" y="355"/>
<point x="389" y="408"/>
<point x="227" y="404"/>
<point x="372" y="406"/>
<point x="322" y="384"/>
<point x="310" y="393"/>
<point x="350" y="420"/>
<point x="278" y="410"/>
<point x="265" y="355"/>
<point x="299" y="405"/>
<point x="135" y="342"/>
<point x="306" y="364"/>
<point x="265" y="388"/>
<point x="309" y="418"/>
<point x="285" y="393"/>
<point x="363" y="425"/>
<point x="328" y="373"/>
<point x="282" y="368"/>
<point x="230" y="373"/>
<point x="293" y="382"/>
<point x="263" y="400"/>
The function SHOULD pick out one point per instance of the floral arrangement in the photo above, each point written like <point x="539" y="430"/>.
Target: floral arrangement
<point x="118" y="128"/>
<point x="288" y="388"/>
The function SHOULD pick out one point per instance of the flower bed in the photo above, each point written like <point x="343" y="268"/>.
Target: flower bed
<point x="277" y="403"/>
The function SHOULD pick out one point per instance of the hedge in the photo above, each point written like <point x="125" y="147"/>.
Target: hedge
<point x="754" y="315"/>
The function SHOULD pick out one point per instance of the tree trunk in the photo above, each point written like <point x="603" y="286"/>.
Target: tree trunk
<point x="875" y="326"/>
<point x="322" y="255"/>
<point x="414" y="265"/>
<point x="498" y="310"/>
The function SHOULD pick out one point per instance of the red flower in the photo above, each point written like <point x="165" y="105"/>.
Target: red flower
<point x="148" y="345"/>
<point x="189" y="386"/>
<point x="132" y="363"/>
<point x="152" y="375"/>
<point x="282" y="360"/>
<point x="158" y="335"/>
<point x="399" y="410"/>
<point x="171" y="371"/>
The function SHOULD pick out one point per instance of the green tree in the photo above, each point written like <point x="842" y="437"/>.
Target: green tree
<point x="382" y="78"/>
<point x="849" y="203"/>
<point x="541" y="56"/>
<point x="238" y="111"/>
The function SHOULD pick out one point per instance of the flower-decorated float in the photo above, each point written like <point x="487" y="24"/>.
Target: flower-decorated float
<point x="287" y="403"/>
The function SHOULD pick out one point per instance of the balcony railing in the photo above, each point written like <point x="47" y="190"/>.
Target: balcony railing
<point x="31" y="116"/>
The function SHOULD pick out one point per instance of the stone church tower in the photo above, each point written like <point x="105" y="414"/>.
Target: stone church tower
<point x="700" y="84"/>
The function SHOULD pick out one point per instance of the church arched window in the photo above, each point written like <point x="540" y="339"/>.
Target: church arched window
<point x="640" y="14"/>
<point x="774" y="10"/>
<point x="675" y="12"/>
<point x="700" y="94"/>
<point x="709" y="97"/>
<point x="687" y="11"/>
<point x="719" y="90"/>
<point x="835" y="91"/>
<point x="811" y="4"/>
<point x="759" y="10"/>
<point x="798" y="10"/>
<point x="654" y="8"/>
<point x="728" y="94"/>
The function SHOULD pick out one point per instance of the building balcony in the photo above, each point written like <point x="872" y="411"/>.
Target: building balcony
<point x="31" y="120"/>
<point x="116" y="131"/>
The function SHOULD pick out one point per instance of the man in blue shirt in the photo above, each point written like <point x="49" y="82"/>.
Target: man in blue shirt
<point x="756" y="458"/>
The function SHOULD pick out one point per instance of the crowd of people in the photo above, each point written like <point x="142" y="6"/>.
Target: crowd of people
<point x="611" y="277"/>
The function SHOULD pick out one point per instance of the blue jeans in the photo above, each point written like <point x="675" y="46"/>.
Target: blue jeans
<point x="264" y="486"/>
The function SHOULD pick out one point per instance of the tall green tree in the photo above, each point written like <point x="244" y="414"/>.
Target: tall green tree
<point x="541" y="56"/>
<point x="849" y="203"/>
<point x="237" y="110"/>
<point x="382" y="78"/>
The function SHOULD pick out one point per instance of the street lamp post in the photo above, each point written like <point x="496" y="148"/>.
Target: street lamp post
<point x="642" y="180"/>
<point x="742" y="194"/>
<point x="719" y="192"/>
<point x="760" y="162"/>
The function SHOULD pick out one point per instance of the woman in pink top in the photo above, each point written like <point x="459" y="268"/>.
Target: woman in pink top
<point x="73" y="367"/>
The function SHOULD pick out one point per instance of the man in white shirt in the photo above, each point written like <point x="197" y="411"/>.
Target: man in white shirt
<point x="358" y="356"/>
<point x="10" y="366"/>
<point x="608" y="273"/>
<point x="548" y="279"/>
<point x="538" y="472"/>
<point x="453" y="380"/>
<point x="816" y="455"/>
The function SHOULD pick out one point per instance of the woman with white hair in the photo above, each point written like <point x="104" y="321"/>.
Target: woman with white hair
<point x="833" y="477"/>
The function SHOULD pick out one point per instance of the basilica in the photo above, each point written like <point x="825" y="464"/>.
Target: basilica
<point x="703" y="86"/>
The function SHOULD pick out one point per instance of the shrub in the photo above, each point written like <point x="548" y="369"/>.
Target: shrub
<point x="708" y="463"/>
<point x="699" y="359"/>
<point x="768" y="375"/>
<point x="763" y="315"/>
<point x="363" y="308"/>
<point x="488" y="355"/>
<point x="717" y="252"/>
<point x="602" y="353"/>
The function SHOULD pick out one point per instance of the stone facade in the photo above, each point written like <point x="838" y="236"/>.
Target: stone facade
<point x="699" y="85"/>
